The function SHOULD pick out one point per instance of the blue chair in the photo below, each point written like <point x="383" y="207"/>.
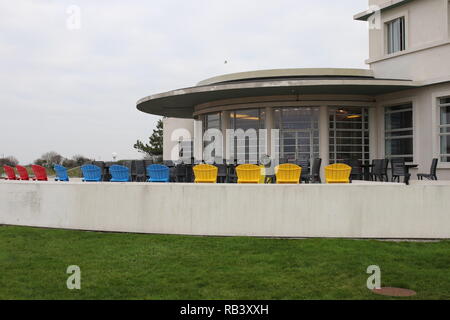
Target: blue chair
<point x="91" y="173"/>
<point x="61" y="173"/>
<point x="119" y="173"/>
<point x="158" y="173"/>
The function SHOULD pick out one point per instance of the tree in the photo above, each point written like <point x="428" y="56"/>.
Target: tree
<point x="155" y="145"/>
<point x="76" y="161"/>
<point x="9" y="161"/>
<point x="49" y="158"/>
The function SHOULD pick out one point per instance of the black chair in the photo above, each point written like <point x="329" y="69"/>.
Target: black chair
<point x="101" y="165"/>
<point x="130" y="165"/>
<point x="379" y="170"/>
<point x="305" y="169"/>
<point x="357" y="172"/>
<point x="432" y="175"/>
<point x="314" y="176"/>
<point x="106" y="174"/>
<point x="173" y="174"/>
<point x="232" y="175"/>
<point x="180" y="172"/>
<point x="221" y="173"/>
<point x="141" y="173"/>
<point x="189" y="173"/>
<point x="399" y="170"/>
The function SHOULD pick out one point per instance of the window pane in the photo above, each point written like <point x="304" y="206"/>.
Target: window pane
<point x="444" y="100"/>
<point x="348" y="131"/>
<point x="398" y="131"/>
<point x="399" y="120"/>
<point x="445" y="144"/>
<point x="396" y="35"/>
<point x="397" y="147"/>
<point x="445" y="115"/>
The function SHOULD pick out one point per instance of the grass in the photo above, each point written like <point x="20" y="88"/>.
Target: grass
<point x="33" y="265"/>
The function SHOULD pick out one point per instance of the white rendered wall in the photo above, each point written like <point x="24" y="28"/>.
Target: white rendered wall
<point x="426" y="121"/>
<point x="427" y="54"/>
<point x="353" y="211"/>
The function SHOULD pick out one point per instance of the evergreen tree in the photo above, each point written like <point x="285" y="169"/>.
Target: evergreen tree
<point x="155" y="145"/>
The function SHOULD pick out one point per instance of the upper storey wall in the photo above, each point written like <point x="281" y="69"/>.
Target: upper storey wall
<point x="427" y="53"/>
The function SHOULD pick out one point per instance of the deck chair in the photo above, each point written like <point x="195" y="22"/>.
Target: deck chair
<point x="338" y="173"/>
<point x="205" y="173"/>
<point x="288" y="173"/>
<point x="61" y="173"/>
<point x="91" y="173"/>
<point x="158" y="173"/>
<point x="23" y="173"/>
<point x="119" y="173"/>
<point x="10" y="173"/>
<point x="40" y="173"/>
<point x="248" y="173"/>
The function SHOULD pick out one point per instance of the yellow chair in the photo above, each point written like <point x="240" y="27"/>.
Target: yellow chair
<point x="338" y="173"/>
<point x="288" y="173"/>
<point x="205" y="173"/>
<point x="248" y="173"/>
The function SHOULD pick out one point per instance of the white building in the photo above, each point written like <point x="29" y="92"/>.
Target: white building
<point x="399" y="107"/>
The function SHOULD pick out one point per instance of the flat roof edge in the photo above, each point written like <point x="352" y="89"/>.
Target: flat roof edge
<point x="364" y="16"/>
<point x="280" y="73"/>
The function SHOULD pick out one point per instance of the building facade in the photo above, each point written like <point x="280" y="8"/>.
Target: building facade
<point x="398" y="108"/>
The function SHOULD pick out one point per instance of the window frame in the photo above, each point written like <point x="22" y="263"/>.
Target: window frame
<point x="403" y="35"/>
<point x="440" y="126"/>
<point x="333" y="129"/>
<point x="412" y="128"/>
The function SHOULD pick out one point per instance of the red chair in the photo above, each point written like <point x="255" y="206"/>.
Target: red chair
<point x="23" y="173"/>
<point x="39" y="172"/>
<point x="10" y="173"/>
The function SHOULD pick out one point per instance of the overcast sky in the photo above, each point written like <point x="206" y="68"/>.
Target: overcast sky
<point x="74" y="90"/>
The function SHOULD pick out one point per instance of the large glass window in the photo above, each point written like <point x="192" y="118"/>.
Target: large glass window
<point x="349" y="134"/>
<point x="299" y="132"/>
<point x="444" y="128"/>
<point x="398" y="132"/>
<point x="396" y="35"/>
<point x="211" y="121"/>
<point x="247" y="119"/>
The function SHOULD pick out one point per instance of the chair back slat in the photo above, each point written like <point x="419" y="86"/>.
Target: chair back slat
<point x="248" y="173"/>
<point x="205" y="173"/>
<point x="23" y="173"/>
<point x="91" y="172"/>
<point x="398" y="167"/>
<point x="434" y="165"/>
<point x="288" y="173"/>
<point x="40" y="173"/>
<point x="61" y="173"/>
<point x="10" y="173"/>
<point x="119" y="173"/>
<point x="338" y="173"/>
<point x="158" y="173"/>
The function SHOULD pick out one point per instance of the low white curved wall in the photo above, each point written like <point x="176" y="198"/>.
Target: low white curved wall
<point x="355" y="211"/>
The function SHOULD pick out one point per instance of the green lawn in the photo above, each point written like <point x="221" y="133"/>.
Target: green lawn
<point x="33" y="265"/>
